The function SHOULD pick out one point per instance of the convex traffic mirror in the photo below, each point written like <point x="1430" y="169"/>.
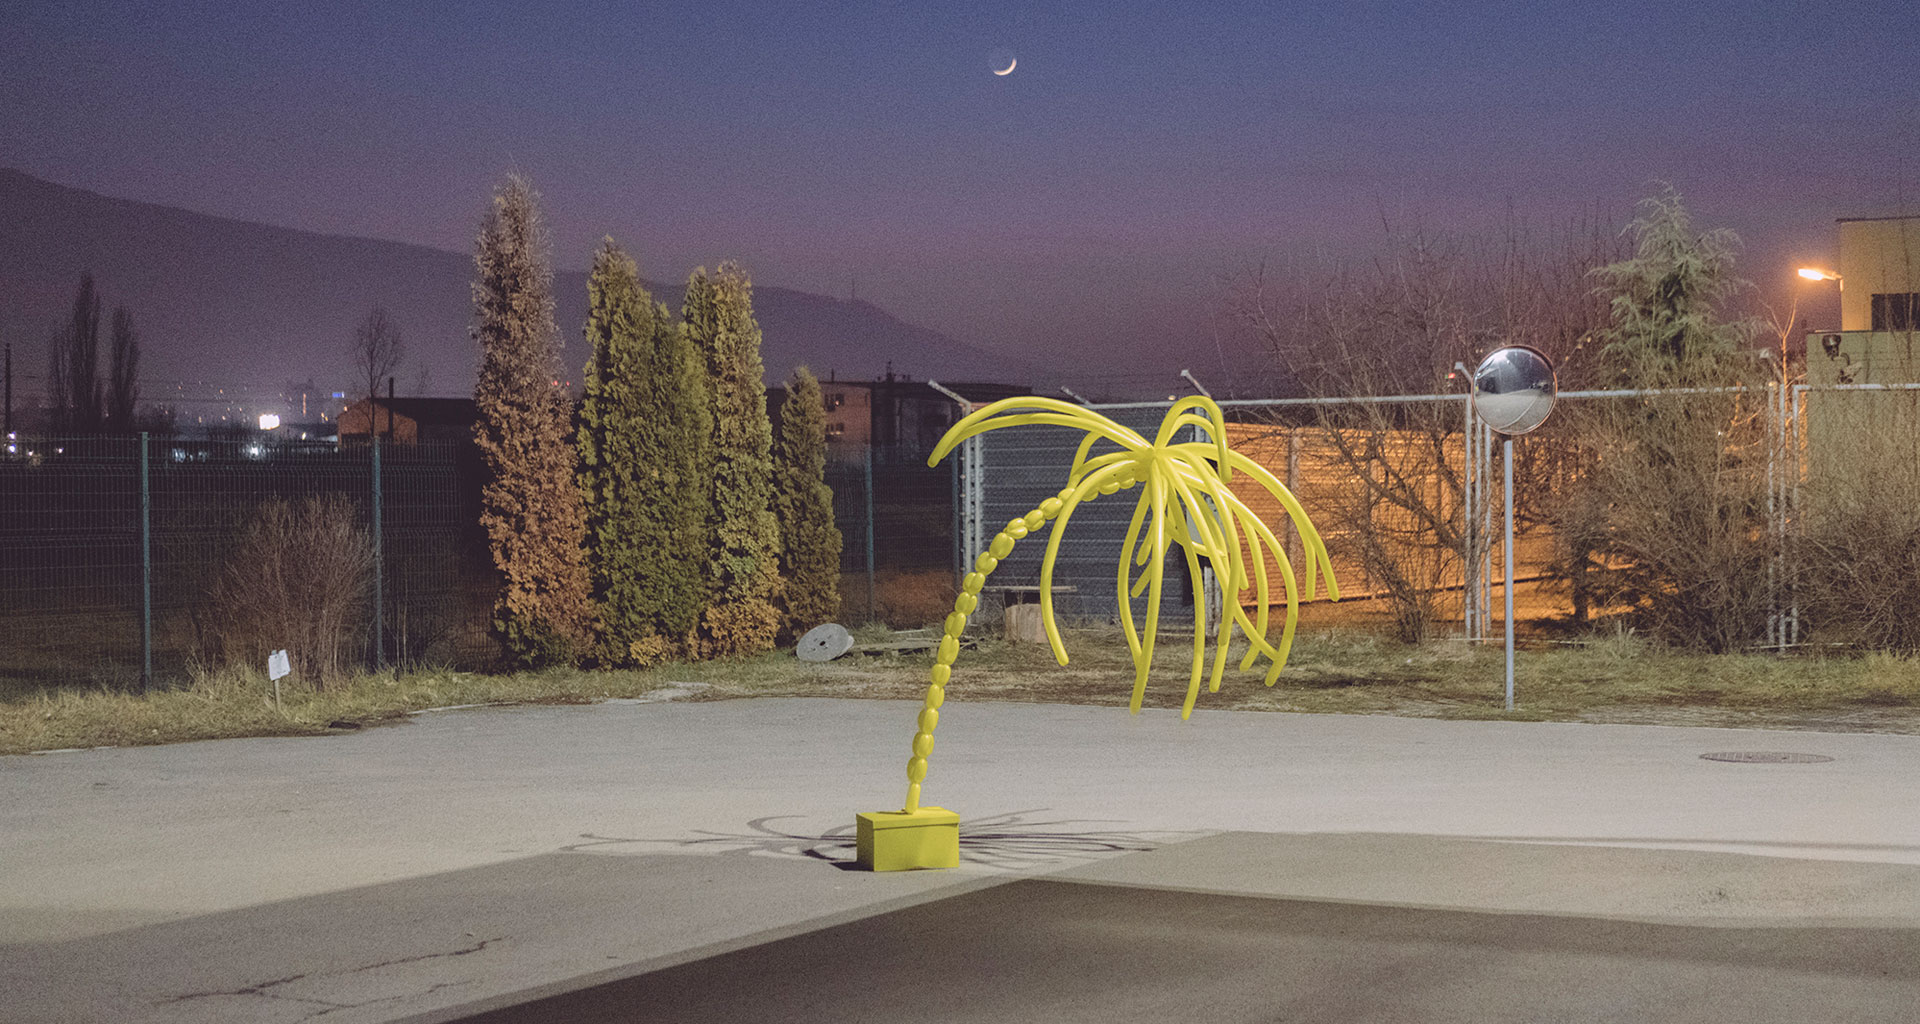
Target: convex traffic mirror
<point x="1514" y="389"/>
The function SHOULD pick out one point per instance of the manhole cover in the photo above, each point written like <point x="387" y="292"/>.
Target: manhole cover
<point x="1765" y="757"/>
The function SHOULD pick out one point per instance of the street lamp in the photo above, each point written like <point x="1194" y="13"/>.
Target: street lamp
<point x="1811" y="274"/>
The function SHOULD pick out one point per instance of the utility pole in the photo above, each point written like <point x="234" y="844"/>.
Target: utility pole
<point x="9" y="423"/>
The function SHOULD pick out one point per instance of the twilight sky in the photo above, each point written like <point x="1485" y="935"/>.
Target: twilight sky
<point x="1086" y="203"/>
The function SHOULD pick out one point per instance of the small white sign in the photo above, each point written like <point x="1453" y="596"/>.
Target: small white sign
<point x="277" y="666"/>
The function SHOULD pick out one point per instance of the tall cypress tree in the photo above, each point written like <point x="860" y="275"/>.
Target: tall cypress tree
<point x="73" y="380"/>
<point x="743" y="544"/>
<point x="803" y="506"/>
<point x="642" y="440"/>
<point x="123" y="375"/>
<point x="530" y="502"/>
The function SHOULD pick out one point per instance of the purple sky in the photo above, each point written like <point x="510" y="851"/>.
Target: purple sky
<point x="1086" y="202"/>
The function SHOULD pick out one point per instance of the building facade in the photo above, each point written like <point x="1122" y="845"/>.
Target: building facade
<point x="1863" y="443"/>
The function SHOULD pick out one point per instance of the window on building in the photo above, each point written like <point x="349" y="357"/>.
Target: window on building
<point x="836" y="429"/>
<point x="1896" y="311"/>
<point x="834" y="400"/>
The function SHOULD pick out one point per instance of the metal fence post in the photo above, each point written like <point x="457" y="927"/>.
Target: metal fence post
<point x="1483" y="562"/>
<point x="870" y="570"/>
<point x="1798" y="410"/>
<point x="968" y="468"/>
<point x="379" y="567"/>
<point x="976" y="473"/>
<point x="959" y="502"/>
<point x="1469" y="583"/>
<point x="1296" y="545"/>
<point x="1776" y="449"/>
<point x="146" y="572"/>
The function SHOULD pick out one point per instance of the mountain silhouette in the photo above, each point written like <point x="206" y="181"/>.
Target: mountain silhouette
<point x="224" y="303"/>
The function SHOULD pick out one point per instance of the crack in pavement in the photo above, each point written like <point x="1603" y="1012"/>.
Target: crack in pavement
<point x="262" y="989"/>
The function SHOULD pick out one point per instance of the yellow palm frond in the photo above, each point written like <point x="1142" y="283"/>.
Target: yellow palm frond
<point x="1185" y="503"/>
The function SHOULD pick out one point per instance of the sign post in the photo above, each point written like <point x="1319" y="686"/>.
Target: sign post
<point x="278" y="668"/>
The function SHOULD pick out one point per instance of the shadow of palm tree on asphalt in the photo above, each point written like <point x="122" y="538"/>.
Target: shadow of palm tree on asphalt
<point x="1006" y="842"/>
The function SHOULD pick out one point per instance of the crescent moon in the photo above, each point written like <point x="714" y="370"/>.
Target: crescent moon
<point x="1012" y="63"/>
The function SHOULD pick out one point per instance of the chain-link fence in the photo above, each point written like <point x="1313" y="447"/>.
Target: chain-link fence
<point x="896" y="519"/>
<point x="1772" y="525"/>
<point x="111" y="564"/>
<point x="1853" y="506"/>
<point x="113" y="549"/>
<point x="1012" y="471"/>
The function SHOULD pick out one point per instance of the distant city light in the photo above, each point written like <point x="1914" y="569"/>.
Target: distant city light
<point x="269" y="421"/>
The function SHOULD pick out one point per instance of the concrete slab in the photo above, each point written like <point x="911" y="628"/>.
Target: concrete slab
<point x="1616" y="883"/>
<point x="370" y="953"/>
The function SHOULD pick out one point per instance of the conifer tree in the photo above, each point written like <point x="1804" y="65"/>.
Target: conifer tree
<point x="743" y="544"/>
<point x="73" y="381"/>
<point x="1671" y="522"/>
<point x="642" y="440"/>
<point x="530" y="501"/>
<point x="123" y="374"/>
<point x="1667" y="302"/>
<point x="803" y="506"/>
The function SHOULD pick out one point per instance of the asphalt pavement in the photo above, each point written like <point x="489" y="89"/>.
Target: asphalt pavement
<point x="646" y="859"/>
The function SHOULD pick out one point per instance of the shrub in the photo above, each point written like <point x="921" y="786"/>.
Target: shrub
<point x="1859" y="560"/>
<point x="1667" y="517"/>
<point x="299" y="577"/>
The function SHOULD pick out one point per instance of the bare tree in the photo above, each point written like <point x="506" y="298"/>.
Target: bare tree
<point x="377" y="351"/>
<point x="1396" y="325"/>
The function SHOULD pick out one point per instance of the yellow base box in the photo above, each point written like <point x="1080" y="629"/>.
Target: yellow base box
<point x="898" y="841"/>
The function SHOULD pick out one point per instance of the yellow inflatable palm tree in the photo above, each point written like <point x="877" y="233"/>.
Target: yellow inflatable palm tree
<point x="1185" y="500"/>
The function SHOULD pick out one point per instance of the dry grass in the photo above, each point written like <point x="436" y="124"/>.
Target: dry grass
<point x="901" y="598"/>
<point x="1615" y="679"/>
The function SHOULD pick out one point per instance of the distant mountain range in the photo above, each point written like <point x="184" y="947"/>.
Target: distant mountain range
<point x="229" y="303"/>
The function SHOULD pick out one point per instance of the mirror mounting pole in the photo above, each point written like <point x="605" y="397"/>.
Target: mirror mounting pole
<point x="1513" y="392"/>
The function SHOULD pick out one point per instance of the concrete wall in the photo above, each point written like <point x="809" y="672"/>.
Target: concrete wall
<point x="1877" y="256"/>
